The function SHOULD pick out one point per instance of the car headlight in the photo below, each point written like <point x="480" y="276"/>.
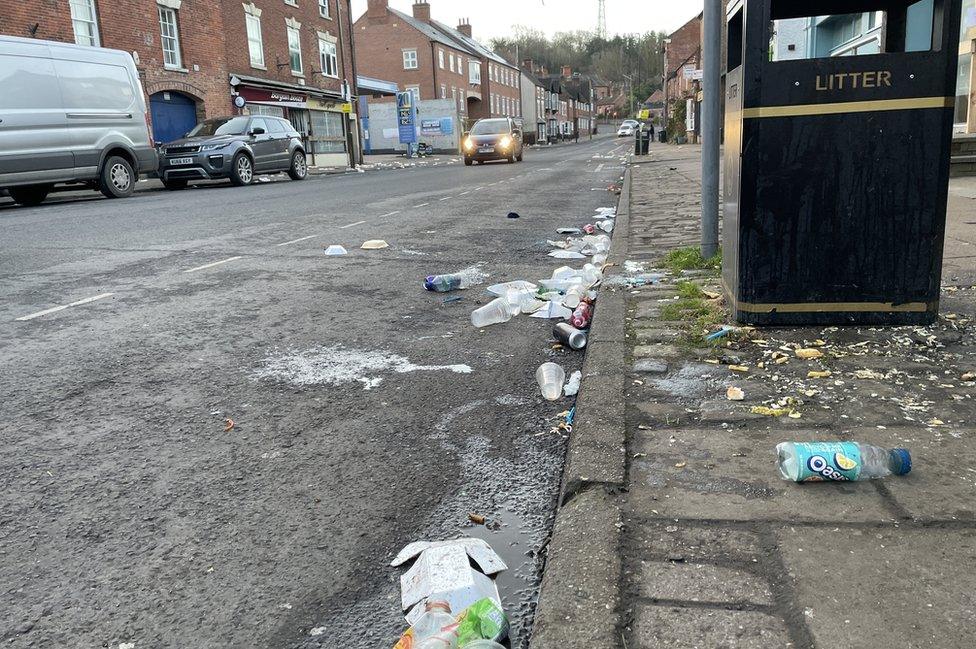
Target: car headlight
<point x="468" y="144"/>
<point x="212" y="147"/>
<point x="505" y="142"/>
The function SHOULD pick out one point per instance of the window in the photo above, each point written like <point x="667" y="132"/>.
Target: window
<point x="324" y="8"/>
<point x="443" y="91"/>
<point x="452" y="63"/>
<point x="276" y="127"/>
<point x="454" y="93"/>
<point x="415" y="91"/>
<point x="84" y="21"/>
<point x="170" y="37"/>
<point x="327" y="132"/>
<point x="474" y="71"/>
<point x="409" y="59"/>
<point x="327" y="57"/>
<point x="258" y="122"/>
<point x="255" y="44"/>
<point x="90" y="86"/>
<point x="440" y="59"/>
<point x="29" y="83"/>
<point x="295" y="49"/>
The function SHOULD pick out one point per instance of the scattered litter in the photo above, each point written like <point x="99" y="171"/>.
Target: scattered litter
<point x="335" y="251"/>
<point x="566" y="254"/>
<point x="497" y="311"/>
<point x="573" y="384"/>
<point x="868" y="375"/>
<point x="839" y="461"/>
<point x="453" y="281"/>
<point x="375" y="244"/>
<point x="477" y="519"/>
<point x="969" y="376"/>
<point x="550" y="378"/>
<point x="721" y="333"/>
<point x="808" y="353"/>
<point x="552" y="309"/>
<point x="680" y="465"/>
<point x="712" y="295"/>
<point x="738" y="368"/>
<point x="569" y="231"/>
<point x="735" y="394"/>
<point x="229" y="425"/>
<point x="606" y="226"/>
<point x="569" y="335"/>
<point x="513" y="215"/>
<point x="453" y="298"/>
<point x="501" y="290"/>
<point x="582" y="315"/>
<point x="819" y="375"/>
<point x="317" y="631"/>
<point x="770" y="412"/>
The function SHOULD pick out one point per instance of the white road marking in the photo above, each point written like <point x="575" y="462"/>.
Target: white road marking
<point x="288" y="243"/>
<point x="216" y="263"/>
<point x="390" y="214"/>
<point x="101" y="296"/>
<point x="421" y="205"/>
<point x="478" y="189"/>
<point x="598" y="169"/>
<point x="350" y="225"/>
<point x="446" y="198"/>
<point x="464" y="193"/>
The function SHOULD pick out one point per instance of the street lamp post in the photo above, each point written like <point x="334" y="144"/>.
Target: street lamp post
<point x="711" y="114"/>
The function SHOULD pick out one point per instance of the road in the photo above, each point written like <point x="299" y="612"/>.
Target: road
<point x="367" y="412"/>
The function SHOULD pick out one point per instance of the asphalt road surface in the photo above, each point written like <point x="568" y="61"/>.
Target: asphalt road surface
<point x="367" y="412"/>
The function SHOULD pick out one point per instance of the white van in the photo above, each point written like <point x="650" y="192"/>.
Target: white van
<point x="70" y="114"/>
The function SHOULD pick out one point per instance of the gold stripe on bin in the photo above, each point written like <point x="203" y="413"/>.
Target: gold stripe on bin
<point x="848" y="107"/>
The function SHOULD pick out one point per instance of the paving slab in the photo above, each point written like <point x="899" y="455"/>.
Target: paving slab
<point x="731" y="474"/>
<point x="669" y="627"/>
<point x="882" y="588"/>
<point x="702" y="582"/>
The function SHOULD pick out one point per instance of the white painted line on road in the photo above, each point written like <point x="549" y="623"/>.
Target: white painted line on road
<point x="477" y="189"/>
<point x="464" y="193"/>
<point x="390" y="214"/>
<point x="288" y="243"/>
<point x="350" y="225"/>
<point x="446" y="198"/>
<point x="599" y="168"/>
<point x="421" y="205"/>
<point x="216" y="263"/>
<point x="101" y="296"/>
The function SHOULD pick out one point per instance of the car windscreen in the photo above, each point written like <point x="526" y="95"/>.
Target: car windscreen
<point x="490" y="127"/>
<point x="629" y="122"/>
<point x="222" y="126"/>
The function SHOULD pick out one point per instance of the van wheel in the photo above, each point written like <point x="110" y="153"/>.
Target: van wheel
<point x="519" y="157"/>
<point x="117" y="179"/>
<point x="29" y="196"/>
<point x="468" y="162"/>
<point x="299" y="168"/>
<point x="174" y="184"/>
<point x="242" y="171"/>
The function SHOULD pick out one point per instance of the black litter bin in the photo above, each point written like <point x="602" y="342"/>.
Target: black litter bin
<point x="642" y="141"/>
<point x="661" y="135"/>
<point x="837" y="168"/>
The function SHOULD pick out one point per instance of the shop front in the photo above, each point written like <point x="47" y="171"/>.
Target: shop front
<point x="329" y="134"/>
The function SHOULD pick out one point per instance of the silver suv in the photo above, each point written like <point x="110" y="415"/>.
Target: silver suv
<point x="235" y="148"/>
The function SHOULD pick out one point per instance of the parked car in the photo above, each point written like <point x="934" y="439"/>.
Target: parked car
<point x="70" y="114"/>
<point x="628" y="128"/>
<point x="235" y="148"/>
<point x="499" y="138"/>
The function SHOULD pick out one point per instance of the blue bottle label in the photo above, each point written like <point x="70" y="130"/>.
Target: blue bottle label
<point x="820" y="461"/>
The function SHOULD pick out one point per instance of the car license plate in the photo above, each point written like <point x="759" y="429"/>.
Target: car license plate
<point x="181" y="161"/>
<point x="486" y="149"/>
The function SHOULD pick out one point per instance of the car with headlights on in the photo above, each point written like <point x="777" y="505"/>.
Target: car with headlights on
<point x="236" y="148"/>
<point x="498" y="138"/>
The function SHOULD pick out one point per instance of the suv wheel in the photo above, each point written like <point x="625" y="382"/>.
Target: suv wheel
<point x="468" y="162"/>
<point x="299" y="168"/>
<point x="174" y="184"/>
<point x="519" y="157"/>
<point x="242" y="170"/>
<point x="117" y="179"/>
<point x="29" y="196"/>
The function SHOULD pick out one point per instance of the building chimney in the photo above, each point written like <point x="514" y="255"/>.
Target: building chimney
<point x="421" y="11"/>
<point x="377" y="8"/>
<point x="465" y="27"/>
<point x="529" y="65"/>
<point x="567" y="71"/>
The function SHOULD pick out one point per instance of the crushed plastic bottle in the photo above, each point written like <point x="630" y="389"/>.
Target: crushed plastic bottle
<point x="449" y="282"/>
<point x="551" y="378"/>
<point x="839" y="461"/>
<point x="582" y="315"/>
<point x="435" y="629"/>
<point x="573" y="384"/>
<point x="497" y="311"/>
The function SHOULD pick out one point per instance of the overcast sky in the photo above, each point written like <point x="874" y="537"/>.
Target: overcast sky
<point x="493" y="18"/>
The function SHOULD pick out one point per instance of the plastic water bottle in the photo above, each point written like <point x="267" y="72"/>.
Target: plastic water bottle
<point x="839" y="461"/>
<point x="551" y="377"/>
<point x="446" y="283"/>
<point x="436" y="628"/>
<point x="495" y="312"/>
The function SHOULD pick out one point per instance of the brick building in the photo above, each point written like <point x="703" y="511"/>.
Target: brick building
<point x="436" y="61"/>
<point x="288" y="57"/>
<point x="682" y="48"/>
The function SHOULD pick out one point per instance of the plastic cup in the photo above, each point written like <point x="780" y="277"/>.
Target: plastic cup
<point x="551" y="378"/>
<point x="495" y="312"/>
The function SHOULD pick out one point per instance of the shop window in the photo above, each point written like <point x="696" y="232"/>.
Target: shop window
<point x="327" y="133"/>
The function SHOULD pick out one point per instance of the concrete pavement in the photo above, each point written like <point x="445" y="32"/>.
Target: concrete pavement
<point x="366" y="412"/>
<point x="675" y="529"/>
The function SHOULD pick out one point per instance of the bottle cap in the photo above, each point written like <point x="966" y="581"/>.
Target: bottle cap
<point x="429" y="282"/>
<point x="901" y="461"/>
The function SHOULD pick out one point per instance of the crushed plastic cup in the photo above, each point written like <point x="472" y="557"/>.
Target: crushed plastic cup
<point x="551" y="378"/>
<point x="335" y="250"/>
<point x="495" y="312"/>
<point x="500" y="290"/>
<point x="573" y="384"/>
<point x="374" y="244"/>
